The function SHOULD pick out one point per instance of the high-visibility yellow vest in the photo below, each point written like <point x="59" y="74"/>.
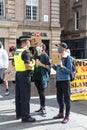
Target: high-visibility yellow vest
<point x="18" y="62"/>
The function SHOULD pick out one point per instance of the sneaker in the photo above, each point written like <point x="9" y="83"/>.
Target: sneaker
<point x="7" y="93"/>
<point x="41" y="111"/>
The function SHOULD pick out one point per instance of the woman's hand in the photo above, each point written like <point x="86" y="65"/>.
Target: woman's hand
<point x="60" y="64"/>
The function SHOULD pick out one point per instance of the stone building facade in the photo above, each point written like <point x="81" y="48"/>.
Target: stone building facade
<point x="73" y="19"/>
<point x="23" y="17"/>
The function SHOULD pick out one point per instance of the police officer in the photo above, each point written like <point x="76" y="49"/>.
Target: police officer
<point x="23" y="82"/>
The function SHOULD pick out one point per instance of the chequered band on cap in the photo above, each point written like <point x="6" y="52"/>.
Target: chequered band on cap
<point x="24" y="38"/>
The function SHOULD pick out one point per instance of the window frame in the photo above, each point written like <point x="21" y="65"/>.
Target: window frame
<point x="3" y="9"/>
<point x="76" y="20"/>
<point x="32" y="16"/>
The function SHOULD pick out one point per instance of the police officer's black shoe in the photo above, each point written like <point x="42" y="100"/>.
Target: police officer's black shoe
<point x="30" y="119"/>
<point x="18" y="117"/>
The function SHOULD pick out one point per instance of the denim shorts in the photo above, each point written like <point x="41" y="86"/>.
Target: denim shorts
<point x="2" y="74"/>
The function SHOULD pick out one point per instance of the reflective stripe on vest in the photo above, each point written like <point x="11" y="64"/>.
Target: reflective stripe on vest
<point x="19" y="63"/>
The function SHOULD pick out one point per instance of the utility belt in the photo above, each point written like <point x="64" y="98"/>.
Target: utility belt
<point x="28" y="72"/>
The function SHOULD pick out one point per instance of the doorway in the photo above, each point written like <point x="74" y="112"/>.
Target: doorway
<point x="46" y="42"/>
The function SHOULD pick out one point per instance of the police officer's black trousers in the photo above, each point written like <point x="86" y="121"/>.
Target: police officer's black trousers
<point x="23" y="88"/>
<point x="41" y="92"/>
<point x="63" y="96"/>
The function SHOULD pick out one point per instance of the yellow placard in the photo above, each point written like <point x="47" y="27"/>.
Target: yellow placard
<point x="78" y="87"/>
<point x="56" y="58"/>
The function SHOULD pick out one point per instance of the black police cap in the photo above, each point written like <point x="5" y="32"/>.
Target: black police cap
<point x="24" y="38"/>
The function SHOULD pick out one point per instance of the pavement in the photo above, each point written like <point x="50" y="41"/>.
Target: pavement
<point x="8" y="121"/>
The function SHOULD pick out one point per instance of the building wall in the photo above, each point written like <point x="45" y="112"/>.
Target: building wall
<point x="50" y="90"/>
<point x="14" y="23"/>
<point x="55" y="23"/>
<point x="75" y="38"/>
<point x="67" y="19"/>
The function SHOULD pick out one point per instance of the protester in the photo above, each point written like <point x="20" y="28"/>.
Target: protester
<point x="23" y="80"/>
<point x="3" y="67"/>
<point x="41" y="77"/>
<point x="12" y="50"/>
<point x="63" y="83"/>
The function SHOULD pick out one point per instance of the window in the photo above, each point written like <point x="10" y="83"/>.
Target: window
<point x="32" y="10"/>
<point x="76" y="20"/>
<point x="78" y="48"/>
<point x="2" y="7"/>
